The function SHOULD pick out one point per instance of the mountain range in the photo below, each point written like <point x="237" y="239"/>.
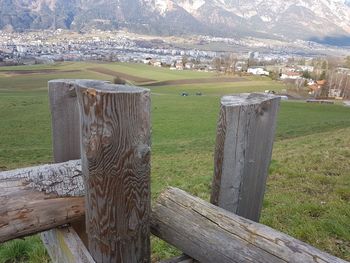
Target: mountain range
<point x="290" y="19"/>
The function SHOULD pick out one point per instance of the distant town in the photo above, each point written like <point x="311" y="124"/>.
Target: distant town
<point x="303" y="66"/>
<point x="60" y="45"/>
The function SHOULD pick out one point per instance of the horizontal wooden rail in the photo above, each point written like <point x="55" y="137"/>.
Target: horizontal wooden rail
<point x="203" y="231"/>
<point x="61" y="179"/>
<point x="64" y="245"/>
<point x="208" y="233"/>
<point x="24" y="211"/>
<point x="37" y="198"/>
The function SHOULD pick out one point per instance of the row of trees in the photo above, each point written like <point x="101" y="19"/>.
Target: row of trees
<point x="332" y="70"/>
<point x="321" y="65"/>
<point x="227" y="62"/>
<point x="334" y="73"/>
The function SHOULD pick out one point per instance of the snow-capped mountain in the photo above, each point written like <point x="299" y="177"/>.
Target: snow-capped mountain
<point x="293" y="18"/>
<point x="289" y="18"/>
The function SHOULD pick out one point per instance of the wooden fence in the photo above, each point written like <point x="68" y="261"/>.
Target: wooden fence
<point x="94" y="202"/>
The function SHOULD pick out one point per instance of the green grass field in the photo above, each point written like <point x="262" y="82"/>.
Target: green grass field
<point x="308" y="191"/>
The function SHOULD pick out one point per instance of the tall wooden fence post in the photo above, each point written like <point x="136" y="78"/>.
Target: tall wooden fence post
<point x="115" y="150"/>
<point x="65" y="146"/>
<point x="244" y="142"/>
<point x="66" y="129"/>
<point x="65" y="120"/>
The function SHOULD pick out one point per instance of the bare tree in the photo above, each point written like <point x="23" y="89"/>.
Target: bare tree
<point x="229" y="62"/>
<point x="299" y="83"/>
<point x="184" y="60"/>
<point x="217" y="62"/>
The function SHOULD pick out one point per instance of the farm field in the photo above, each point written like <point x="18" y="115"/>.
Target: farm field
<point x="308" y="190"/>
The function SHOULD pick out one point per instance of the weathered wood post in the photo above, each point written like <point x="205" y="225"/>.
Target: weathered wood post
<point x="115" y="151"/>
<point x="244" y="142"/>
<point x="65" y="147"/>
<point x="65" y="129"/>
<point x="65" y="120"/>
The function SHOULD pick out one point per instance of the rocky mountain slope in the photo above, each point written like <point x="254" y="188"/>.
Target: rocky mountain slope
<point x="289" y="18"/>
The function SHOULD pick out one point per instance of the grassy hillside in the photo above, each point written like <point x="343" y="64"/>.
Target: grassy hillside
<point x="308" y="192"/>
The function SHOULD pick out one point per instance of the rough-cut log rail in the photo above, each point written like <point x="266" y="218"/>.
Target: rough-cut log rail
<point x="209" y="233"/>
<point x="243" y="152"/>
<point x="115" y="153"/>
<point x="62" y="179"/>
<point x="65" y="246"/>
<point x="187" y="222"/>
<point x="31" y="199"/>
<point x="25" y="210"/>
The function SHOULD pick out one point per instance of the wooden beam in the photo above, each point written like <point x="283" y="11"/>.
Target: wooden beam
<point x="211" y="234"/>
<point x="24" y="211"/>
<point x="65" y="120"/>
<point x="64" y="245"/>
<point x="244" y="142"/>
<point x="115" y="152"/>
<point x="62" y="179"/>
<point x="66" y="131"/>
<point x="187" y="222"/>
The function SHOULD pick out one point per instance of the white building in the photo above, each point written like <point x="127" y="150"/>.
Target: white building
<point x="291" y="75"/>
<point x="258" y="71"/>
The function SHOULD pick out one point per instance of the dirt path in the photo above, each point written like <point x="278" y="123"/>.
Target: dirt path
<point x="196" y="81"/>
<point x="120" y="74"/>
<point x="39" y="71"/>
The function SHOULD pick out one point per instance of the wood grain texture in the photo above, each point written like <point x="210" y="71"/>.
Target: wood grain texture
<point x="65" y="120"/>
<point x="211" y="234"/>
<point x="24" y="211"/>
<point x="184" y="223"/>
<point x="65" y="246"/>
<point x="66" y="128"/>
<point x="244" y="142"/>
<point x="115" y="147"/>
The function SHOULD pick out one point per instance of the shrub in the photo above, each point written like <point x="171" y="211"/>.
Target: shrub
<point x="119" y="80"/>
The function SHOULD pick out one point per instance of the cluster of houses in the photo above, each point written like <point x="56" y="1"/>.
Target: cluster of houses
<point x="179" y="64"/>
<point x="335" y="86"/>
<point x="285" y="72"/>
<point x="49" y="46"/>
